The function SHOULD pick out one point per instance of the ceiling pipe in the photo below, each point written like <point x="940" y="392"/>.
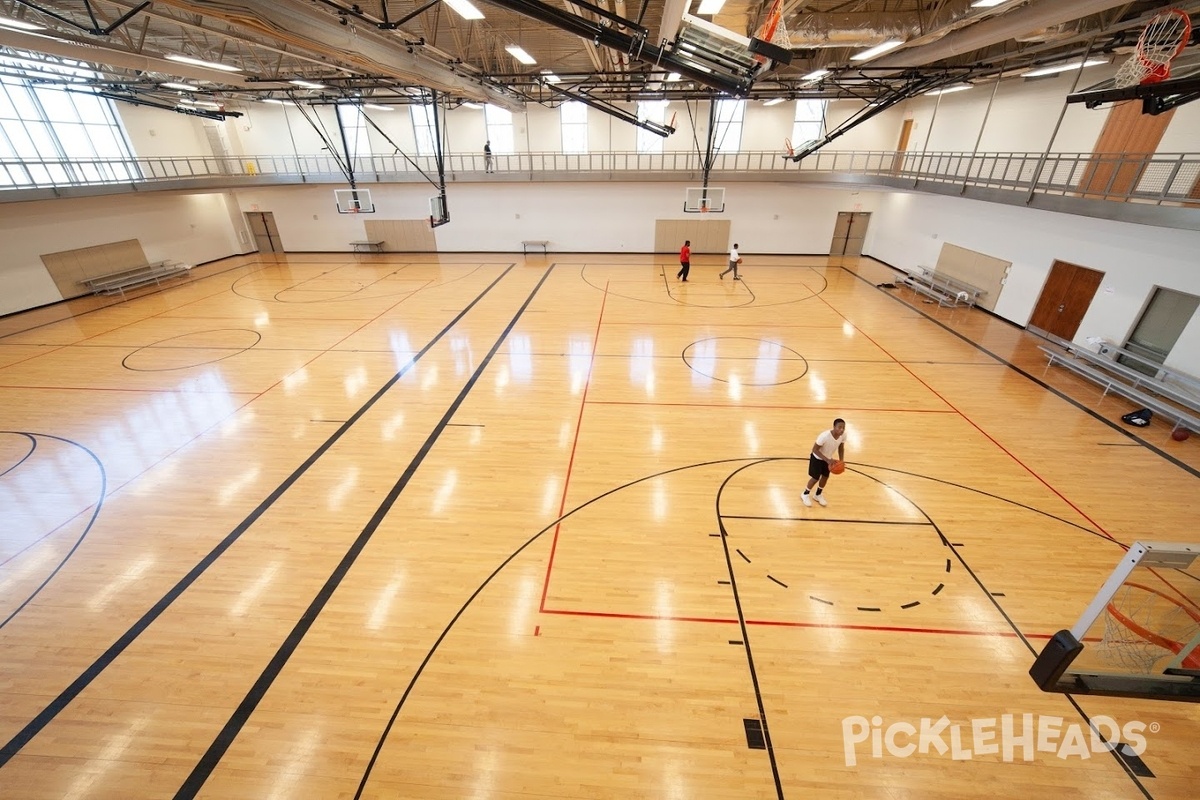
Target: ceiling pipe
<point x="1033" y="17"/>
<point x="362" y="46"/>
<point x="92" y="54"/>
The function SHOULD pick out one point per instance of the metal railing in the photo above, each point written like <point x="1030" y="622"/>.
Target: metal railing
<point x="1159" y="178"/>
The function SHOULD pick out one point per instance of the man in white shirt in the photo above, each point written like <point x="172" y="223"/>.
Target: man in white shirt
<point x="735" y="258"/>
<point x="829" y="444"/>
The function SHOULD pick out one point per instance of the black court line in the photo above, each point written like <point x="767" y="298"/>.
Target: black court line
<point x="915" y="522"/>
<point x="76" y="687"/>
<point x="241" y="715"/>
<point x="741" y="618"/>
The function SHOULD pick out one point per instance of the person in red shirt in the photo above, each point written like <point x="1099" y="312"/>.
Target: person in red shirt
<point x="685" y="260"/>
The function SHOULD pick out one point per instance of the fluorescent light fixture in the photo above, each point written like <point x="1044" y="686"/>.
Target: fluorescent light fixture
<point x="710" y="6"/>
<point x="962" y="87"/>
<point x="307" y="84"/>
<point x="550" y="77"/>
<point x="987" y="3"/>
<point x="1095" y="62"/>
<point x="815" y="75"/>
<point x="674" y="76"/>
<point x="273" y="101"/>
<point x="520" y="55"/>
<point x="17" y="24"/>
<point x="465" y="9"/>
<point x="877" y="50"/>
<point x="375" y="107"/>
<point x="476" y="106"/>
<point x="774" y="101"/>
<point x="207" y="104"/>
<point x="196" y="62"/>
<point x="183" y="87"/>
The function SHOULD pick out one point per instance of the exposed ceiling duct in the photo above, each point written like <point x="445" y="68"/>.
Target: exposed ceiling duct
<point x="852" y="30"/>
<point x="1035" y="16"/>
<point x="122" y="59"/>
<point x="366" y="47"/>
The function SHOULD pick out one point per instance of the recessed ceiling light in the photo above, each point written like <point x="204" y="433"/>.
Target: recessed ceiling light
<point x="550" y="77"/>
<point x="200" y="63"/>
<point x="465" y="9"/>
<point x="307" y="84"/>
<point x="674" y="76"/>
<point x="877" y="50"/>
<point x="1063" y="68"/>
<point x="520" y="55"/>
<point x="20" y="25"/>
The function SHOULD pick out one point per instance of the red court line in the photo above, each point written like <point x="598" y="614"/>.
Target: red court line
<point x="781" y="624"/>
<point x="781" y="408"/>
<point x="562" y="507"/>
<point x="974" y="425"/>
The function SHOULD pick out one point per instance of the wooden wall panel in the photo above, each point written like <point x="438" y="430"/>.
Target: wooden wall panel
<point x="978" y="269"/>
<point x="706" y="235"/>
<point x="1126" y="131"/>
<point x="68" y="267"/>
<point x="402" y="235"/>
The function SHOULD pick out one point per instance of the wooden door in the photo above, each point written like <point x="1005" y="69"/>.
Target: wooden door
<point x="902" y="145"/>
<point x="1127" y="133"/>
<point x="1065" y="298"/>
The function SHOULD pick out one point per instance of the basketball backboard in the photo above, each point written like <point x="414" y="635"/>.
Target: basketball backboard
<point x="706" y="199"/>
<point x="353" y="201"/>
<point x="1182" y="87"/>
<point x="1138" y="637"/>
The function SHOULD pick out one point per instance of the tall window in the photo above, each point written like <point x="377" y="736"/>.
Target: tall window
<point x="356" y="131"/>
<point x="499" y="128"/>
<point x="729" y="125"/>
<point x="573" y="117"/>
<point x="42" y="122"/>
<point x="651" y="111"/>
<point x="810" y="121"/>
<point x="422" y="119"/>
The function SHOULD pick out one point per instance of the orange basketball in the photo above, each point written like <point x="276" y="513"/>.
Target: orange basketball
<point x="837" y="467"/>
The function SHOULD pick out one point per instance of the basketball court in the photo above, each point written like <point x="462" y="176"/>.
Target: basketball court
<point x="462" y="526"/>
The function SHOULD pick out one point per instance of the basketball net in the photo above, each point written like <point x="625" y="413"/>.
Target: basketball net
<point x="1142" y="626"/>
<point x="773" y="30"/>
<point x="1160" y="43"/>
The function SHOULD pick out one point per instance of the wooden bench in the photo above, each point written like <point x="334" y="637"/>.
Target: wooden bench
<point x="947" y="291"/>
<point x="132" y="278"/>
<point x="1109" y="374"/>
<point x="367" y="247"/>
<point x="542" y="243"/>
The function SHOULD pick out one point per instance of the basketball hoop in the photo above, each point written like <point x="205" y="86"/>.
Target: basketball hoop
<point x="704" y="207"/>
<point x="1143" y="626"/>
<point x="1160" y="43"/>
<point x="787" y="145"/>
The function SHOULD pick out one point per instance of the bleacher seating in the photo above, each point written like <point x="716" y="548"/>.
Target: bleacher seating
<point x="947" y="291"/>
<point x="118" y="282"/>
<point x="1172" y="402"/>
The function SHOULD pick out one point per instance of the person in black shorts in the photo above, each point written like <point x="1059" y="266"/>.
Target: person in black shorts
<point x="829" y="447"/>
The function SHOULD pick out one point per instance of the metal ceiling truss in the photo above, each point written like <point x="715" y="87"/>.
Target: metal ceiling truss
<point x="915" y="83"/>
<point x="614" y="111"/>
<point x="95" y="28"/>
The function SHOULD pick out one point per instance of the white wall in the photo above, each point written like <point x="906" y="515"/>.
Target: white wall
<point x="191" y="228"/>
<point x="574" y="217"/>
<point x="910" y="229"/>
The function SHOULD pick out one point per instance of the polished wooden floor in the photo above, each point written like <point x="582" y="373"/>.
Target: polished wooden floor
<point x="333" y="526"/>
